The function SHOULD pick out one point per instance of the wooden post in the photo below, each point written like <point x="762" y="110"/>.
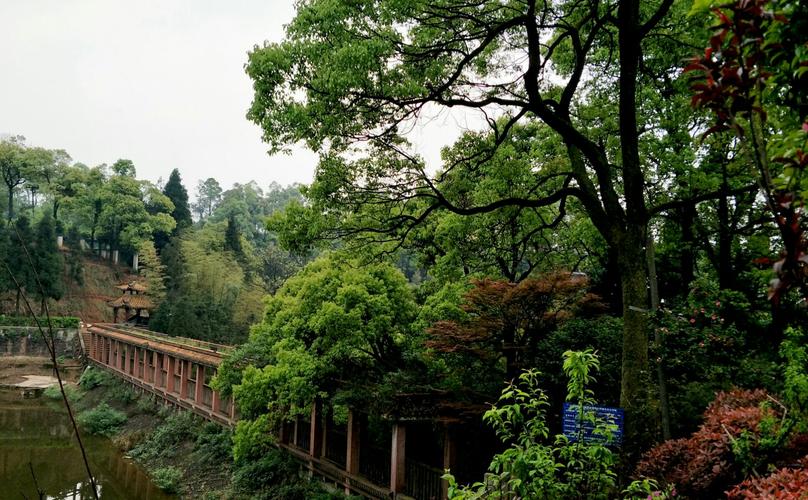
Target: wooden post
<point x="200" y="384"/>
<point x="295" y="430"/>
<point x="316" y="432"/>
<point x="170" y="377"/>
<point x="186" y="368"/>
<point x="156" y="372"/>
<point x="216" y="402"/>
<point x="449" y="457"/>
<point x="353" y="446"/>
<point x="118" y="355"/>
<point x="353" y="437"/>
<point x="398" y="458"/>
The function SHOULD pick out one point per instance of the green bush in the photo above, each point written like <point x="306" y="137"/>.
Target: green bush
<point x="147" y="405"/>
<point x="122" y="392"/>
<point x="102" y="420"/>
<point x="94" y="377"/>
<point x="56" y="321"/>
<point x="167" y="479"/>
<point x="214" y="443"/>
<point x="164" y="441"/>
<point x="275" y="476"/>
<point x="53" y="392"/>
<point x="253" y="439"/>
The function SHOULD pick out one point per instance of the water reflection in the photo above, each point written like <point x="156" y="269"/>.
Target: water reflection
<point x="37" y="432"/>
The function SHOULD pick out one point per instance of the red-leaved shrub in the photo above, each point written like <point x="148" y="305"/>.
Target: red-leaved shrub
<point x="703" y="465"/>
<point x="781" y="484"/>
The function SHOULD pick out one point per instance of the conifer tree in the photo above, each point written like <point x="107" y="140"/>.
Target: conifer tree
<point x="177" y="193"/>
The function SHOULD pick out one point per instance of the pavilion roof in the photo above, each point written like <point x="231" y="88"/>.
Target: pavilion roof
<point x="132" y="286"/>
<point x="132" y="302"/>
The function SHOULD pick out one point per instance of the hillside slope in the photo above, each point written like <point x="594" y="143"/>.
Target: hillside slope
<point x="89" y="301"/>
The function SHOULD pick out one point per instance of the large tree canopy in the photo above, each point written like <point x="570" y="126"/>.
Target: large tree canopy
<point x="350" y="78"/>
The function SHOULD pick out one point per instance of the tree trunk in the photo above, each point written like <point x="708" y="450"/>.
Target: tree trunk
<point x="635" y="379"/>
<point x="688" y="255"/>
<point x="726" y="276"/>
<point x="10" y="204"/>
<point x="662" y="383"/>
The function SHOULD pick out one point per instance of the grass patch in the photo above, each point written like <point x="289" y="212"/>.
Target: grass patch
<point x="102" y="420"/>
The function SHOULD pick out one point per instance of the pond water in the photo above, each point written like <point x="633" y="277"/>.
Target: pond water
<point x="37" y="432"/>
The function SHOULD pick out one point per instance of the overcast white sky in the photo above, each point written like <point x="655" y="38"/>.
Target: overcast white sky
<point x="158" y="82"/>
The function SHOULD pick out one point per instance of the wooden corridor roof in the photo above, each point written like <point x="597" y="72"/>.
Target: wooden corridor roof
<point x="206" y="353"/>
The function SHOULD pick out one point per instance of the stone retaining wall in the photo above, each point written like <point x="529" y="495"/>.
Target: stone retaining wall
<point x="27" y="341"/>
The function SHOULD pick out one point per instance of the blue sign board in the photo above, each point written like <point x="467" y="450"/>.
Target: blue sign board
<point x="596" y="420"/>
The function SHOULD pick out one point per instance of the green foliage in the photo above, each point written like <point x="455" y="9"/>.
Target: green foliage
<point x="56" y="321"/>
<point x="53" y="392"/>
<point x="795" y="354"/>
<point x="176" y="192"/>
<point x="48" y="263"/>
<point x="336" y="319"/>
<point x="275" y="475"/>
<point x="102" y="420"/>
<point x="645" y="489"/>
<point x="177" y="427"/>
<point x="252" y="440"/>
<point x="94" y="377"/>
<point x="531" y="467"/>
<point x="167" y="479"/>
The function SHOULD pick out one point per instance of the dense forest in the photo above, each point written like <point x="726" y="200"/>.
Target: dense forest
<point x="626" y="228"/>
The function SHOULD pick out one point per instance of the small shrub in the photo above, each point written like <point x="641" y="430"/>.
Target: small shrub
<point x="122" y="392"/>
<point x="147" y="405"/>
<point x="167" y="479"/>
<point x="94" y="377"/>
<point x="783" y="483"/>
<point x="53" y="392"/>
<point x="728" y="442"/>
<point x="276" y="476"/>
<point x="163" y="442"/>
<point x="102" y="420"/>
<point x="214" y="443"/>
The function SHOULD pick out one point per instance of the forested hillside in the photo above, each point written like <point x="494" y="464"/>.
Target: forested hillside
<point x="207" y="273"/>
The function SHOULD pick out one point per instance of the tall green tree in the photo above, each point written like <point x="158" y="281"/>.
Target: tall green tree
<point x="334" y="328"/>
<point x="178" y="195"/>
<point x="12" y="169"/>
<point x="48" y="262"/>
<point x="21" y="238"/>
<point x="232" y="236"/>
<point x="124" y="168"/>
<point x="208" y="196"/>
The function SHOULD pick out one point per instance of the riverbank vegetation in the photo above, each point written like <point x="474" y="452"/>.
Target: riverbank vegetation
<point x="181" y="452"/>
